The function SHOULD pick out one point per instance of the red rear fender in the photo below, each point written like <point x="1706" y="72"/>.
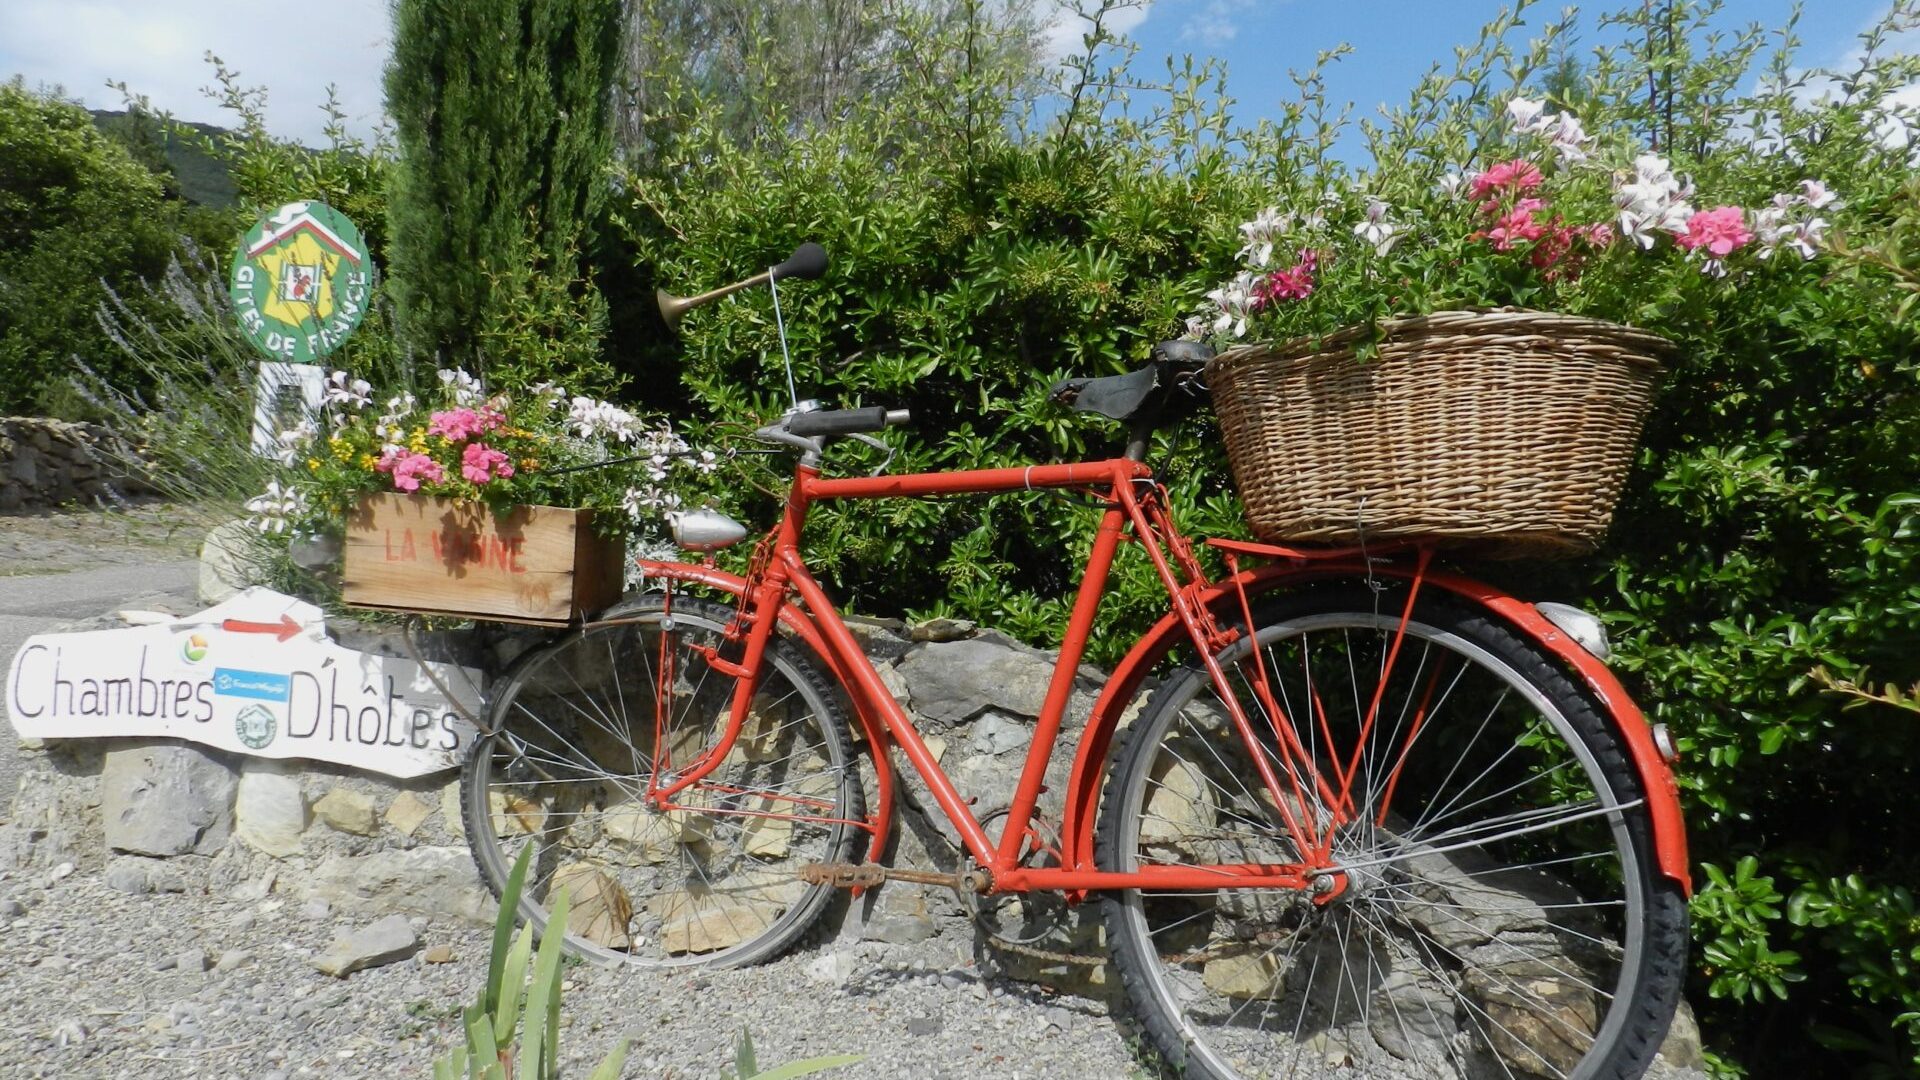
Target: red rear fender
<point x="1090" y="763"/>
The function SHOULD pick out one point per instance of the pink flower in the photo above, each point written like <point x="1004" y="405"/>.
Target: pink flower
<point x="480" y="463"/>
<point x="1720" y="230"/>
<point x="1516" y="225"/>
<point x="1293" y="283"/>
<point x="1508" y="177"/>
<point x="1599" y="234"/>
<point x="409" y="469"/>
<point x="458" y="424"/>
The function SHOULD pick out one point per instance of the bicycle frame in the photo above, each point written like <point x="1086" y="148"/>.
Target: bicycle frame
<point x="1133" y="501"/>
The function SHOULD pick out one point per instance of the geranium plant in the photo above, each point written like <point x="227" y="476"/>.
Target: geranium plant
<point x="542" y="447"/>
<point x="1563" y="223"/>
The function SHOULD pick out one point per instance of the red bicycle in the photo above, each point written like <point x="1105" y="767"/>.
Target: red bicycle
<point x="1372" y="813"/>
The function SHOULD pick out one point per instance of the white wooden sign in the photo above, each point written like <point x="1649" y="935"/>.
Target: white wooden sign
<point x="283" y="396"/>
<point x="254" y="675"/>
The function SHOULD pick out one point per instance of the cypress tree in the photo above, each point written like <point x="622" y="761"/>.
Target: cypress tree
<point x="502" y="119"/>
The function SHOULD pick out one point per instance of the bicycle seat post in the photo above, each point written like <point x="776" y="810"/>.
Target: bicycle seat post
<point x="1140" y="432"/>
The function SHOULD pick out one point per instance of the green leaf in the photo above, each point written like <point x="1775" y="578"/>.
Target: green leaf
<point x="503" y="925"/>
<point x="808" y="1067"/>
<point x="616" y="1060"/>
<point x="512" y="988"/>
<point x="743" y="1060"/>
<point x="480" y="1039"/>
<point x="545" y="985"/>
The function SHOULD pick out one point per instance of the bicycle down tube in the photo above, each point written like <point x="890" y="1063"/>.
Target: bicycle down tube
<point x="782" y="569"/>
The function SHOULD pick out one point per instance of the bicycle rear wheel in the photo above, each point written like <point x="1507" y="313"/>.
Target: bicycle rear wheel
<point x="708" y="883"/>
<point x="1491" y="910"/>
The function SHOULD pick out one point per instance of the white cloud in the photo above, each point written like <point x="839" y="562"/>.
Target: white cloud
<point x="1215" y="24"/>
<point x="1063" y="28"/>
<point x="156" y="46"/>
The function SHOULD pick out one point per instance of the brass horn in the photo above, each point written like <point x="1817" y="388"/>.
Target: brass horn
<point x="809" y="260"/>
<point x="672" y="307"/>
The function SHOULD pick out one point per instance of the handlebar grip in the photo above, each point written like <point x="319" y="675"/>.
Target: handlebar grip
<point x="839" y="421"/>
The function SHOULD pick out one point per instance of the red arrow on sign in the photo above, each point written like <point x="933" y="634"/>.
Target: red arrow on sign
<point x="281" y="630"/>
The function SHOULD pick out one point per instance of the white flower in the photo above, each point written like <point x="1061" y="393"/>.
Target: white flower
<point x="292" y="441"/>
<point x="1653" y="201"/>
<point x="1525" y="114"/>
<point x="392" y="422"/>
<point x="550" y="394"/>
<point x="1377" y="229"/>
<point x="1453" y="182"/>
<point x="1807" y="236"/>
<point x="1771" y="228"/>
<point x="1196" y="328"/>
<point x="1815" y="195"/>
<point x="1570" y="140"/>
<point x="1260" y="234"/>
<point x="1714" y="268"/>
<point x="356" y="394"/>
<point x="1788" y="221"/>
<point x="466" y="388"/>
<point x="641" y="503"/>
<point x="1235" y="302"/>
<point x="592" y="418"/>
<point x="275" y="511"/>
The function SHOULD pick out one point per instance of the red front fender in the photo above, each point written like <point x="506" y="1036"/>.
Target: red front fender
<point x="1090" y="764"/>
<point x="796" y="621"/>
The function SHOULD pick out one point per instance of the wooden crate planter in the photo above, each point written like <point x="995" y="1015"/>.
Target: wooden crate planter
<point x="535" y="564"/>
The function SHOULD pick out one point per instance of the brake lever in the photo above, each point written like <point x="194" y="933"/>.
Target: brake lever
<point x="877" y="444"/>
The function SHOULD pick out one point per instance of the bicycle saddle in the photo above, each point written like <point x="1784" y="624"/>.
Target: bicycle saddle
<point x="1119" y="397"/>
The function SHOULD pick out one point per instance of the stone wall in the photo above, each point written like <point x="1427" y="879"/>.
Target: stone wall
<point x="52" y="462"/>
<point x="158" y="815"/>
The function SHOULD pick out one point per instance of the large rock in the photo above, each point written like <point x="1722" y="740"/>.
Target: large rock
<point x="423" y="880"/>
<point x="270" y="810"/>
<point x="230" y="560"/>
<point x="953" y="681"/>
<point x="166" y="800"/>
<point x="598" y="909"/>
<point x="407" y="812"/>
<point x="56" y="809"/>
<point x="347" y="811"/>
<point x="388" y="941"/>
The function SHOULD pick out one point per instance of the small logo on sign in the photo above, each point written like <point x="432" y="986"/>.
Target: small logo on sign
<point x="194" y="648"/>
<point x="266" y="686"/>
<point x="256" y="726"/>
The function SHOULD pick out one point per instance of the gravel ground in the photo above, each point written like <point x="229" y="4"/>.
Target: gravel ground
<point x="95" y="988"/>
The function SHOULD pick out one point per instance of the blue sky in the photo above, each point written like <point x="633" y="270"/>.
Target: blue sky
<point x="1395" y="42"/>
<point x="157" y="45"/>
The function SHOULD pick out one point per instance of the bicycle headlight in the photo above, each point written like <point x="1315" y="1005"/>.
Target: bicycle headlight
<point x="704" y="530"/>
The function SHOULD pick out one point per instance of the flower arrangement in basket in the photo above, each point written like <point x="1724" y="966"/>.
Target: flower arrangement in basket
<point x="470" y="503"/>
<point x="1459" y="363"/>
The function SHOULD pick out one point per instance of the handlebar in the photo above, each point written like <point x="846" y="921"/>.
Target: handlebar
<point x="846" y="421"/>
<point x="803" y="431"/>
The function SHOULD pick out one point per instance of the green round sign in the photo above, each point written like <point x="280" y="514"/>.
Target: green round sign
<point x="301" y="281"/>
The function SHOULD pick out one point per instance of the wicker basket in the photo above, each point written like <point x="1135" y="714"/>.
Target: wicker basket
<point x="1508" y="429"/>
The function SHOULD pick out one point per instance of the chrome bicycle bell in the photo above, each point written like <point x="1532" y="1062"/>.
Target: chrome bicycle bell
<point x="704" y="530"/>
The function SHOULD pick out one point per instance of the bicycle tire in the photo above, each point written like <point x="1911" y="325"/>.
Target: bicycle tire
<point x="712" y="886"/>
<point x="1463" y="946"/>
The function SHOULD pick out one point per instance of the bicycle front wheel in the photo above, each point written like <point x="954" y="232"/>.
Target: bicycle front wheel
<point x="1489" y="906"/>
<point x="584" y="724"/>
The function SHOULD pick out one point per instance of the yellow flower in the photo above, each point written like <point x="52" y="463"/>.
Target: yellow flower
<point x="313" y="464"/>
<point x="341" y="451"/>
<point x="368" y="461"/>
